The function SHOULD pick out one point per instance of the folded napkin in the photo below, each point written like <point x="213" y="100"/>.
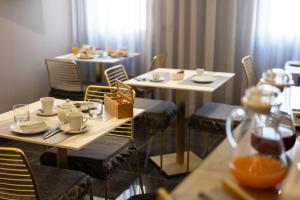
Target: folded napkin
<point x="33" y="126"/>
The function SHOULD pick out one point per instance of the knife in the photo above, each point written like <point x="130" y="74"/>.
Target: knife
<point x="48" y="135"/>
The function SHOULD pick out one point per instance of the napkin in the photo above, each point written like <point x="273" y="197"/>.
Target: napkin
<point x="33" y="126"/>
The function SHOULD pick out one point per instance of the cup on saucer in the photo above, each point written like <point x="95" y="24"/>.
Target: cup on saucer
<point x="76" y="120"/>
<point x="199" y="71"/>
<point x="47" y="104"/>
<point x="155" y="76"/>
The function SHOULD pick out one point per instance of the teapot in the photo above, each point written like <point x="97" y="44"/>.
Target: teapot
<point x="259" y="159"/>
<point x="65" y="108"/>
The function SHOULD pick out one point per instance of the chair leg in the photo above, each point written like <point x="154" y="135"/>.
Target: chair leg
<point x="91" y="194"/>
<point x="205" y="144"/>
<point x="148" y="151"/>
<point x="161" y="150"/>
<point x="188" y="151"/>
<point x="106" y="189"/>
<point x="138" y="166"/>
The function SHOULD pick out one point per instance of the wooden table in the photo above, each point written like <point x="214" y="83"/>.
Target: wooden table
<point x="99" y="61"/>
<point x="293" y="69"/>
<point x="61" y="141"/>
<point x="175" y="163"/>
<point x="214" y="169"/>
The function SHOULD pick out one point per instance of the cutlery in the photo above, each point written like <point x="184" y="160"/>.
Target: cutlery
<point x="51" y="133"/>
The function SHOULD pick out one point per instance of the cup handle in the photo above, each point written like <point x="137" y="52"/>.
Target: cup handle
<point x="236" y="114"/>
<point x="84" y="119"/>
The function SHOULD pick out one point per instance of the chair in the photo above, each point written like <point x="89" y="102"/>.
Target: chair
<point x="64" y="79"/>
<point x="158" y="61"/>
<point x="101" y="157"/>
<point x="158" y="114"/>
<point x="20" y="180"/>
<point x="250" y="70"/>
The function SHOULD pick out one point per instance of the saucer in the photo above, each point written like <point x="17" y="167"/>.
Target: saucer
<point x="41" y="113"/>
<point x="161" y="79"/>
<point x="204" y="79"/>
<point x="35" y="129"/>
<point x="66" y="128"/>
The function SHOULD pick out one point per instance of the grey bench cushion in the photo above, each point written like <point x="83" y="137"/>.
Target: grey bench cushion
<point x="97" y="159"/>
<point x="211" y="112"/>
<point x="158" y="113"/>
<point x="60" y="184"/>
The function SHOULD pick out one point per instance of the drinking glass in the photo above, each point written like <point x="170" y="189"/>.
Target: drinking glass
<point x="21" y="113"/>
<point x="75" y="50"/>
<point x="95" y="108"/>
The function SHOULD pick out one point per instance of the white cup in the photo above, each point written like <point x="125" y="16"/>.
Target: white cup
<point x="76" y="120"/>
<point x="199" y="71"/>
<point x="155" y="76"/>
<point x="47" y="104"/>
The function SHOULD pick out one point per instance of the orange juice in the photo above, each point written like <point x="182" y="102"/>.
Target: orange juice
<point x="258" y="171"/>
<point x="75" y="50"/>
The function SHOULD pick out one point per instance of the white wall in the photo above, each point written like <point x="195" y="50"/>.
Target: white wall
<point x="30" y="31"/>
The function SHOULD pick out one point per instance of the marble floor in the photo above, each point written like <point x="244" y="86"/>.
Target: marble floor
<point x="124" y="183"/>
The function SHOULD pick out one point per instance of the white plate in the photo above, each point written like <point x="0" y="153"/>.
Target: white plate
<point x="16" y="128"/>
<point x="66" y="128"/>
<point x="161" y="79"/>
<point x="41" y="113"/>
<point x="204" y="79"/>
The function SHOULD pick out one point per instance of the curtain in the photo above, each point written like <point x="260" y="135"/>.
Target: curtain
<point x="277" y="33"/>
<point x="208" y="34"/>
<point x="111" y="23"/>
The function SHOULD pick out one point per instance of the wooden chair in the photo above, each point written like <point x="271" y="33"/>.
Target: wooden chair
<point x="19" y="180"/>
<point x="250" y="70"/>
<point x="158" y="61"/>
<point x="64" y="79"/>
<point x="158" y="114"/>
<point x="101" y="157"/>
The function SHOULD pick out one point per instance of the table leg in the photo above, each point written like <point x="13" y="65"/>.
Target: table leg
<point x="180" y="126"/>
<point x="62" y="158"/>
<point x="176" y="163"/>
<point x="98" y="72"/>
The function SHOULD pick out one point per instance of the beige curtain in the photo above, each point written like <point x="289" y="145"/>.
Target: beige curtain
<point x="209" y="34"/>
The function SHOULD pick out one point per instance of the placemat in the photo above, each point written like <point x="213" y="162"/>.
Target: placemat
<point x="216" y="83"/>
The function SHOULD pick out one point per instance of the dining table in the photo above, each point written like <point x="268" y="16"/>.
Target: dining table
<point x="62" y="141"/>
<point x="175" y="163"/>
<point x="99" y="61"/>
<point x="208" y="179"/>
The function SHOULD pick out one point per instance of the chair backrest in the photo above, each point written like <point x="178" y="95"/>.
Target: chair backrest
<point x="97" y="92"/>
<point x="64" y="75"/>
<point x="159" y="61"/>
<point x="115" y="73"/>
<point x="250" y="71"/>
<point x="16" y="178"/>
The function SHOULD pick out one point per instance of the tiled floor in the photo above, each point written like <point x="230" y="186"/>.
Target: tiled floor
<point x="124" y="183"/>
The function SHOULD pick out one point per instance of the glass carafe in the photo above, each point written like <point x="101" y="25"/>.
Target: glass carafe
<point x="259" y="159"/>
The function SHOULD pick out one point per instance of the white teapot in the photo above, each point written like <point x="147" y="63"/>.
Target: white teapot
<point x="64" y="109"/>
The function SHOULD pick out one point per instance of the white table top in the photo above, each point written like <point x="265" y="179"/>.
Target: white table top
<point x="97" y="59"/>
<point x="292" y="69"/>
<point x="97" y="128"/>
<point x="176" y="84"/>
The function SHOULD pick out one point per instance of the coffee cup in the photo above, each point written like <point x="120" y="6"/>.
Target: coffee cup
<point x="47" y="104"/>
<point x="76" y="120"/>
<point x="199" y="71"/>
<point x="155" y="76"/>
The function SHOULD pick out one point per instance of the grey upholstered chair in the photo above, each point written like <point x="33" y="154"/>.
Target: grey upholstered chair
<point x="158" y="114"/>
<point x="64" y="79"/>
<point x="250" y="70"/>
<point x="20" y="180"/>
<point x="102" y="156"/>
